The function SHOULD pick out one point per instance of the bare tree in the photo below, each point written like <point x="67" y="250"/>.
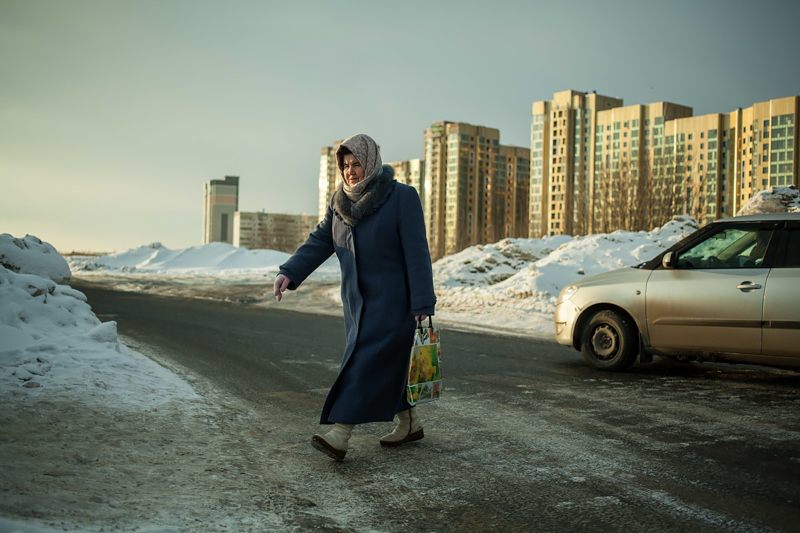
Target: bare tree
<point x="635" y="197"/>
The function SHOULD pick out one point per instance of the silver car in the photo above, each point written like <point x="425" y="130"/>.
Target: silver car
<point x="728" y="292"/>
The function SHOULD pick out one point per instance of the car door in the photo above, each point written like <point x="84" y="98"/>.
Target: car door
<point x="712" y="299"/>
<point x="781" y="333"/>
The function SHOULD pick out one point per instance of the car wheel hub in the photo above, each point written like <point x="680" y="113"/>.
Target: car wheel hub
<point x="605" y="342"/>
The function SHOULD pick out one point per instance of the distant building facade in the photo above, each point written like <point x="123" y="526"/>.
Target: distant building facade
<point x="220" y="202"/>
<point x="271" y="231"/>
<point x="597" y="166"/>
<point x="328" y="176"/>
<point x="514" y="169"/>
<point x="411" y="172"/>
<point x="461" y="187"/>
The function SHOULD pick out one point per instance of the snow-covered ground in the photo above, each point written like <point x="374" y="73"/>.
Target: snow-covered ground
<point x="223" y="262"/>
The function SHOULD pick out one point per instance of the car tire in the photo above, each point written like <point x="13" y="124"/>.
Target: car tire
<point x="608" y="341"/>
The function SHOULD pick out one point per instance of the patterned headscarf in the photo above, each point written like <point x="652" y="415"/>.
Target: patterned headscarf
<point x="368" y="154"/>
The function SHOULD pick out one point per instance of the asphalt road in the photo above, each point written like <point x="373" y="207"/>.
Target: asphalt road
<point x="527" y="438"/>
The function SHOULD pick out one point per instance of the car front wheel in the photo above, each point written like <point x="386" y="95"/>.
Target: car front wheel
<point x="608" y="341"/>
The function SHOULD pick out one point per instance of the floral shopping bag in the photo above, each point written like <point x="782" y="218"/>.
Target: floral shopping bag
<point x="425" y="365"/>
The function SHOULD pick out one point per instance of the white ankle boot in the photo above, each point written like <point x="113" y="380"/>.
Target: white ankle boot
<point x="409" y="428"/>
<point x="334" y="442"/>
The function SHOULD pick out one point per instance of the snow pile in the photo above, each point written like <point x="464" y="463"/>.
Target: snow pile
<point x="487" y="264"/>
<point x="220" y="260"/>
<point x="29" y="255"/>
<point x="51" y="342"/>
<point x="526" y="300"/>
<point x="772" y="200"/>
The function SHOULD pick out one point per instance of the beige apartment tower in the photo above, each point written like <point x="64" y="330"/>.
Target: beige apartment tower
<point x="220" y="202"/>
<point x="411" y="172"/>
<point x="328" y="176"/>
<point x="461" y="186"/>
<point x="513" y="169"/>
<point x="597" y="166"/>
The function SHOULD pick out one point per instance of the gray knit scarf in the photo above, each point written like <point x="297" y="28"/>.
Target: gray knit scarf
<point x="372" y="198"/>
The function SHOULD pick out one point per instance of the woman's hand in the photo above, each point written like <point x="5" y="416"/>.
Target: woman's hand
<point x="281" y="284"/>
<point x="420" y="318"/>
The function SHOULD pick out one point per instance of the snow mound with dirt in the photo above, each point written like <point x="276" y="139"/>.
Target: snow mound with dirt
<point x="772" y="200"/>
<point x="30" y="255"/>
<point x="487" y="264"/>
<point x="51" y="342"/>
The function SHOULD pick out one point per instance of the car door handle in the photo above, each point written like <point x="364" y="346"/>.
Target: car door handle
<point x="748" y="286"/>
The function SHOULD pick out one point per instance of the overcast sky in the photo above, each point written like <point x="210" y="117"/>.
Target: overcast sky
<point x="114" y="114"/>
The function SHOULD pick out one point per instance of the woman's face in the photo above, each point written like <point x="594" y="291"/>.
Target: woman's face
<point x="352" y="169"/>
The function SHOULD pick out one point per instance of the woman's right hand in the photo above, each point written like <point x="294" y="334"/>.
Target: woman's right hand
<point x="281" y="284"/>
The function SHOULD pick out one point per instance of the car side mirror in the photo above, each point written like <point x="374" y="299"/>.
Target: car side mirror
<point x="669" y="260"/>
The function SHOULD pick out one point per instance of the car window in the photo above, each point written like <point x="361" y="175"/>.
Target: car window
<point x="792" y="259"/>
<point x="729" y="248"/>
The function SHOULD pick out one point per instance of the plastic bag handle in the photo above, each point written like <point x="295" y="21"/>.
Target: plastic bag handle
<point x="430" y="323"/>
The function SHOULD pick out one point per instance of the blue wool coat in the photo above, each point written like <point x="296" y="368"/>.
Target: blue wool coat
<point x="386" y="280"/>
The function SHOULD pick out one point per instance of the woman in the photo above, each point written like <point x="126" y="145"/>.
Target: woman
<point x="376" y="228"/>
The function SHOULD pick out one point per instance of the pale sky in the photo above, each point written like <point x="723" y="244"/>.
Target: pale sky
<point x="114" y="114"/>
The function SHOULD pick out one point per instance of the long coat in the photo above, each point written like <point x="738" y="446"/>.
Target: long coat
<point x="386" y="280"/>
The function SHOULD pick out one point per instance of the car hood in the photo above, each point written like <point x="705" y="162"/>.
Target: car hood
<point x="613" y="277"/>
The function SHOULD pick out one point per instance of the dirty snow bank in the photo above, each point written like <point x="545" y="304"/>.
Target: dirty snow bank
<point x="30" y="255"/>
<point x="53" y="344"/>
<point x="772" y="200"/>
<point x="477" y="288"/>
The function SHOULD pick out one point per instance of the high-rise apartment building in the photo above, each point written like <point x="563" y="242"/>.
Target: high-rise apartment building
<point x="220" y="202"/>
<point x="629" y="185"/>
<point x="271" y="231"/>
<point x="598" y="166"/>
<point x="461" y="186"/>
<point x="562" y="148"/>
<point x="411" y="172"/>
<point x="328" y="176"/>
<point x="513" y="170"/>
<point x="435" y="155"/>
